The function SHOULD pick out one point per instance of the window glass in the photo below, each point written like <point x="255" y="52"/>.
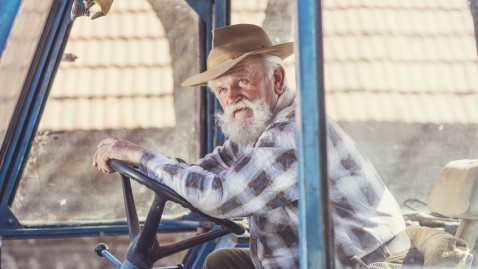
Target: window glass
<point x="18" y="54"/>
<point x="401" y="79"/>
<point x="119" y="77"/>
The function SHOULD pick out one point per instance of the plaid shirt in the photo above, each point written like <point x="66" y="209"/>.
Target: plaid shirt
<point x="364" y="212"/>
<point x="260" y="182"/>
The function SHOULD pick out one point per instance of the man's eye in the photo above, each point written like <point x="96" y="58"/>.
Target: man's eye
<point x="221" y="90"/>
<point x="242" y="82"/>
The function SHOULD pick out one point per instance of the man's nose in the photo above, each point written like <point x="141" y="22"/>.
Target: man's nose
<point x="234" y="95"/>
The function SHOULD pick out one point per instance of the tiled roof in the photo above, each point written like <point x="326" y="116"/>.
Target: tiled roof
<point x="406" y="61"/>
<point x="18" y="53"/>
<point x="252" y="12"/>
<point x="122" y="77"/>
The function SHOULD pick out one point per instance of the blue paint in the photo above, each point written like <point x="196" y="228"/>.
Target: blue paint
<point x="107" y="255"/>
<point x="314" y="230"/>
<point x="32" y="100"/>
<point x="27" y="115"/>
<point x="204" y="10"/>
<point x="222" y="17"/>
<point x="93" y="229"/>
<point x="213" y="137"/>
<point x="8" y="11"/>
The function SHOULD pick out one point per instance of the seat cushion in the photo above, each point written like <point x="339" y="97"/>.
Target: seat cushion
<point x="455" y="191"/>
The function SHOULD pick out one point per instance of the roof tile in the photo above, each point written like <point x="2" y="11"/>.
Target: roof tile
<point x="408" y="60"/>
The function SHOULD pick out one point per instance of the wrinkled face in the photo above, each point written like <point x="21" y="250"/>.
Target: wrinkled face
<point x="247" y="80"/>
<point x="247" y="93"/>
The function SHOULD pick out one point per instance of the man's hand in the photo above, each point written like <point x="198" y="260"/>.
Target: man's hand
<point x="122" y="150"/>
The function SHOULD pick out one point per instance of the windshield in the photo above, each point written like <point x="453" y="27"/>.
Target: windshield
<point x="119" y="77"/>
<point x="17" y="56"/>
<point x="402" y="80"/>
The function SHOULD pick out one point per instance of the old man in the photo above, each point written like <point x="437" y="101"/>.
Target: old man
<point x="254" y="174"/>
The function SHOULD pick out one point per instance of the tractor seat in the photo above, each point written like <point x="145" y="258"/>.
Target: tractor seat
<point x="455" y="195"/>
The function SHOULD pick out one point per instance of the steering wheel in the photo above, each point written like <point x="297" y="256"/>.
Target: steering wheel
<point x="144" y="249"/>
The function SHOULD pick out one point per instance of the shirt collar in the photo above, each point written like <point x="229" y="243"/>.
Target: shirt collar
<point x="285" y="99"/>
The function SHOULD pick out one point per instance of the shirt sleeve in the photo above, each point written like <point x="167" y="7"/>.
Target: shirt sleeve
<point x="234" y="181"/>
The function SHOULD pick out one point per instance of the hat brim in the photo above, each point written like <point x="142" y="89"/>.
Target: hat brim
<point x="282" y="51"/>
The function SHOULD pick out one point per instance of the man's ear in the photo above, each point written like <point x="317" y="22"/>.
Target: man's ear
<point x="279" y="76"/>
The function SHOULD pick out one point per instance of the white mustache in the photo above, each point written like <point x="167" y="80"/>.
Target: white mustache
<point x="231" y="109"/>
<point x="246" y="132"/>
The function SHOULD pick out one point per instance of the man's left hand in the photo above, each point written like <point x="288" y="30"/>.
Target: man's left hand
<point x="111" y="148"/>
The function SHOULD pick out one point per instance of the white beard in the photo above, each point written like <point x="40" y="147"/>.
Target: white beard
<point x="246" y="132"/>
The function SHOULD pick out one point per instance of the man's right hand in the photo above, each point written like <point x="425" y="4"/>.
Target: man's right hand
<point x="111" y="148"/>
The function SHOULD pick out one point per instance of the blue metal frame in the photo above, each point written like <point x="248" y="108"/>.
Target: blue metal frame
<point x="222" y="17"/>
<point x="22" y="130"/>
<point x="34" y="94"/>
<point x="25" y="119"/>
<point x="204" y="10"/>
<point x="8" y="11"/>
<point x="91" y="229"/>
<point x="316" y="248"/>
<point x="315" y="232"/>
<point x="222" y="9"/>
<point x="213" y="137"/>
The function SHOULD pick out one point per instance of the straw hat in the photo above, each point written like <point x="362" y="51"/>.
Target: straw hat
<point x="233" y="43"/>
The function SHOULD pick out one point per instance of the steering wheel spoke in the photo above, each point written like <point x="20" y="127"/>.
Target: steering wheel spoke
<point x="130" y="208"/>
<point x="144" y="249"/>
<point x="147" y="245"/>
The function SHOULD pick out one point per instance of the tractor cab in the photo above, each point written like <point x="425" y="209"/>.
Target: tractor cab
<point x="400" y="78"/>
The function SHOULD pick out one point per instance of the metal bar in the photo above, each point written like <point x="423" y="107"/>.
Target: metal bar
<point x="8" y="11"/>
<point x="204" y="10"/>
<point x="316" y="248"/>
<point x="43" y="79"/>
<point x="222" y="11"/>
<point x="166" y="226"/>
<point x="34" y="93"/>
<point x="1" y="246"/>
<point x="222" y="17"/>
<point x="127" y="264"/>
<point x="209" y="107"/>
<point x="112" y="259"/>
<point x="8" y="219"/>
<point x="131" y="215"/>
<point x="148" y="234"/>
<point x="175" y="247"/>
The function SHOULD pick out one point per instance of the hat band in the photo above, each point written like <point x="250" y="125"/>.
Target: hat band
<point x="222" y="58"/>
